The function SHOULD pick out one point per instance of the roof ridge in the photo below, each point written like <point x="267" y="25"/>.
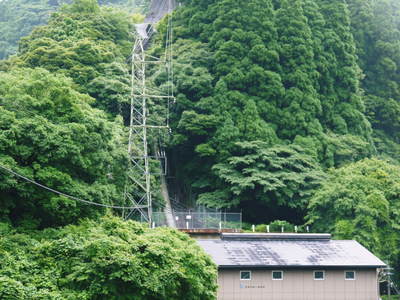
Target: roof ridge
<point x="276" y="236"/>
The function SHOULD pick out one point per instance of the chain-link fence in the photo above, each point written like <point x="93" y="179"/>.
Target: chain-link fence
<point x="201" y="220"/>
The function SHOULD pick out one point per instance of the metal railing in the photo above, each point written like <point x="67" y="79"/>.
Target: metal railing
<point x="200" y="220"/>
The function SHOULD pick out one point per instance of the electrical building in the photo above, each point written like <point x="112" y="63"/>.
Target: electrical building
<point x="293" y="267"/>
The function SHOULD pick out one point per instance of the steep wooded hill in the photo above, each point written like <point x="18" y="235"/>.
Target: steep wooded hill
<point x="61" y="99"/>
<point x="19" y="17"/>
<point x="286" y="109"/>
<point x="268" y="98"/>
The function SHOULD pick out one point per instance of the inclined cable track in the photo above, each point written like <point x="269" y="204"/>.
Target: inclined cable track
<point x="139" y="189"/>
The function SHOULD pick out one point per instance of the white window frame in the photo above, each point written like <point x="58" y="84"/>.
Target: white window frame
<point x="355" y="275"/>
<point x="323" y="272"/>
<point x="272" y="274"/>
<point x="246" y="278"/>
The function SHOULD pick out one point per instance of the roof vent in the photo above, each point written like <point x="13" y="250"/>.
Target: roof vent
<point x="275" y="236"/>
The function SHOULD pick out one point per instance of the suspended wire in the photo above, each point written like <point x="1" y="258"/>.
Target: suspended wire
<point x="171" y="29"/>
<point x="167" y="4"/>
<point x="61" y="193"/>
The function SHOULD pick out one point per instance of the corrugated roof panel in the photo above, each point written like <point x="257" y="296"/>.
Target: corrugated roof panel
<point x="291" y="253"/>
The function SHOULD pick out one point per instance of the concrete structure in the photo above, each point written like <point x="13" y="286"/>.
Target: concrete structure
<point x="293" y="267"/>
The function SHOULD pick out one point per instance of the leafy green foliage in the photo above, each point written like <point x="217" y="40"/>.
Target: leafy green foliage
<point x="270" y="95"/>
<point x="300" y="104"/>
<point x="11" y="289"/>
<point x="261" y="71"/>
<point x="361" y="201"/>
<point x="274" y="177"/>
<point x="376" y="28"/>
<point x="107" y="259"/>
<point x="19" y="17"/>
<point x="88" y="44"/>
<point x="50" y="133"/>
<point x="275" y="226"/>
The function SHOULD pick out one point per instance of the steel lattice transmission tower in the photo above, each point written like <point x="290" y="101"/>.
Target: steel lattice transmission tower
<point x="143" y="119"/>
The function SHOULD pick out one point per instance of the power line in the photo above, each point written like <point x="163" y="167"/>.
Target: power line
<point x="61" y="193"/>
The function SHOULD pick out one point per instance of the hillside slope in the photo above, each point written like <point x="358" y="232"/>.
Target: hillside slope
<point x="19" y="17"/>
<point x="286" y="109"/>
<point x="262" y="82"/>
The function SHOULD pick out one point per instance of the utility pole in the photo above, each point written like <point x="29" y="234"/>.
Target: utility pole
<point x="139" y="189"/>
<point x="387" y="272"/>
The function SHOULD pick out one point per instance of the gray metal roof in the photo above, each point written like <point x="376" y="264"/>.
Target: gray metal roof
<point x="290" y="253"/>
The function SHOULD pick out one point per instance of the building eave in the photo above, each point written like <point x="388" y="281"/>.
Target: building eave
<point x="286" y="267"/>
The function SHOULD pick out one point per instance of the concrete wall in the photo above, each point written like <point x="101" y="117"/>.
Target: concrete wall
<point x="297" y="285"/>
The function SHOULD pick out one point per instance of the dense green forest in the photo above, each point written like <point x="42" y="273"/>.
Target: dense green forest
<point x="286" y="110"/>
<point x="63" y="98"/>
<point x="19" y="17"/>
<point x="282" y="104"/>
<point x="104" y="259"/>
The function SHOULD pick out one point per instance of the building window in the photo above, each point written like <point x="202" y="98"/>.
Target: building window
<point x="319" y="275"/>
<point x="245" y="275"/>
<point x="277" y="275"/>
<point x="350" y="275"/>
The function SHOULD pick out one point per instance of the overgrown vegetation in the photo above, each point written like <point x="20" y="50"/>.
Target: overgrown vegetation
<point x="276" y="80"/>
<point x="63" y="100"/>
<point x="50" y="130"/>
<point x="105" y="259"/>
<point x="282" y="103"/>
<point x="19" y="17"/>
<point x="51" y="134"/>
<point x="361" y="201"/>
<point x="286" y="109"/>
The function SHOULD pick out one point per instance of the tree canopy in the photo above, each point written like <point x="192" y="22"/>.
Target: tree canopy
<point x="361" y="201"/>
<point x="285" y="109"/>
<point x="51" y="134"/>
<point x="105" y="259"/>
<point x="276" y="73"/>
<point x="62" y="100"/>
<point x="88" y="44"/>
<point x="19" y="17"/>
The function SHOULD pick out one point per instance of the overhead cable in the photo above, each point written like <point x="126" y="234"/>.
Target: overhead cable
<point x="61" y="193"/>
